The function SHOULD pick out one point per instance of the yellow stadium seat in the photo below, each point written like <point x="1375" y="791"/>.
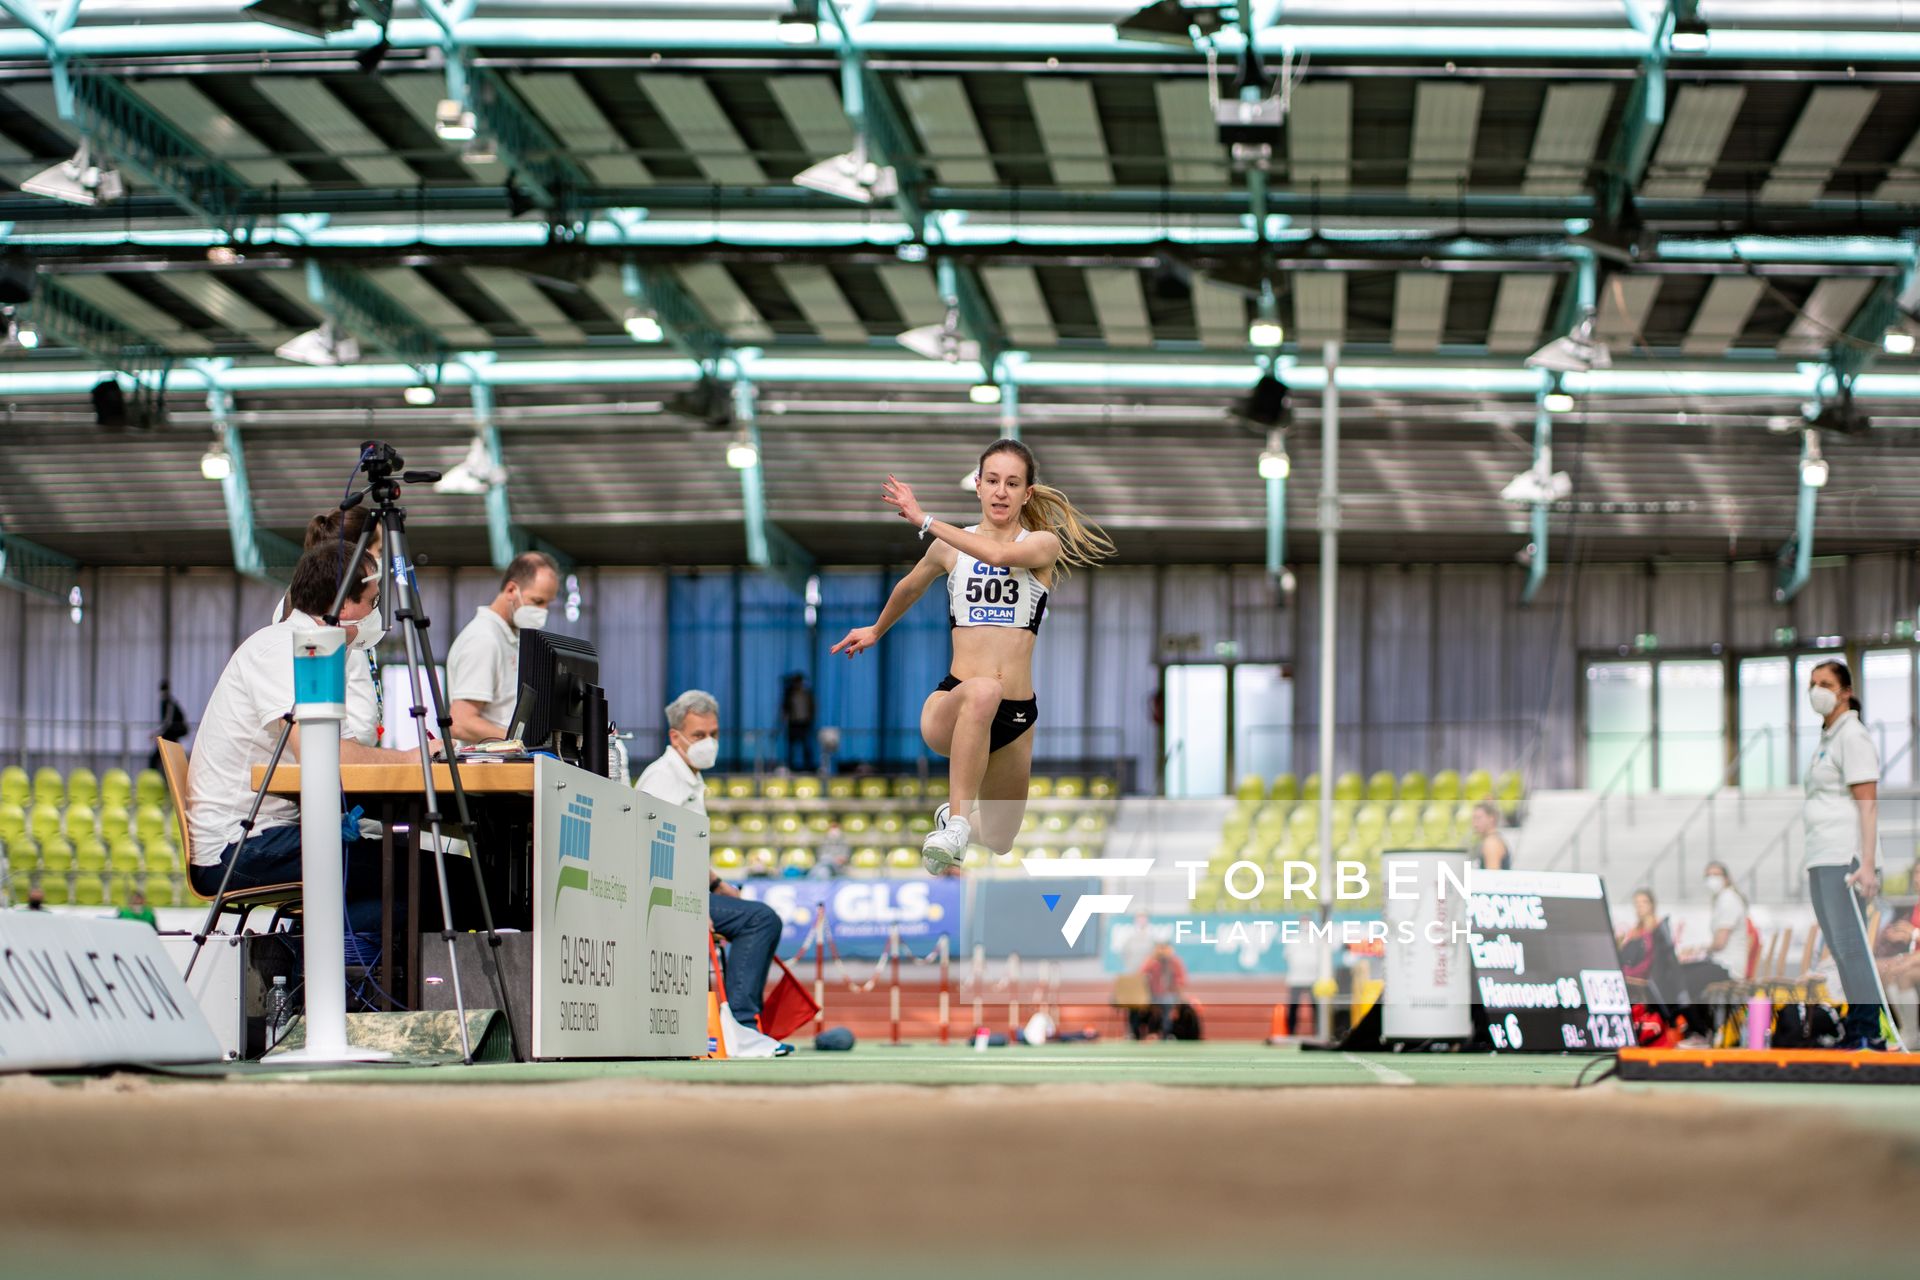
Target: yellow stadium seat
<point x="728" y="862"/>
<point x="160" y="891"/>
<point x="806" y="788"/>
<point x="49" y="787"/>
<point x="1446" y="786"/>
<point x="776" y="788"/>
<point x="116" y="789"/>
<point x="1436" y="824"/>
<point x="1286" y="789"/>
<point x="889" y="824"/>
<point x="906" y="788"/>
<point x="13" y="821"/>
<point x="761" y="860"/>
<point x="15" y="788"/>
<point x="1413" y="787"/>
<point x="1102" y="788"/>
<point x="714" y="785"/>
<point x="1252" y="790"/>
<point x="902" y="857"/>
<point x="1348" y="789"/>
<point x="788" y="824"/>
<point x="920" y="824"/>
<point x="856" y="824"/>
<point x="1310" y="790"/>
<point x="83" y="788"/>
<point x="45" y="822"/>
<point x="150" y="788"/>
<point x="871" y="788"/>
<point x="1509" y="792"/>
<point x="1403" y="825"/>
<point x="115" y="822"/>
<point x="1477" y="787"/>
<point x="751" y="824"/>
<point x="798" y="858"/>
<point x="866" y="860"/>
<point x="89" y="891"/>
<point x="936" y="788"/>
<point x="719" y="823"/>
<point x="89" y="854"/>
<point x="819" y="822"/>
<point x="125" y="855"/>
<point x="840" y="788"/>
<point x="81" y="822"/>
<point x="1039" y="788"/>
<point x="1069" y="788"/>
<point x="53" y="889"/>
<point x="1380" y="788"/>
<point x="739" y="788"/>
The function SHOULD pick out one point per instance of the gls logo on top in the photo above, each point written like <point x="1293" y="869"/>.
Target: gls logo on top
<point x="1088" y="905"/>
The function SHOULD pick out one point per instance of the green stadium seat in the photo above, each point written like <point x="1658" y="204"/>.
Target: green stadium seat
<point x="1100" y="788"/>
<point x="1303" y="827"/>
<point x="53" y="889"/>
<point x="56" y="854"/>
<point x="1380" y="788"/>
<point x="797" y="858"/>
<point x="1285" y="789"/>
<point x="1436" y="824"/>
<point x="89" y="891"/>
<point x="856" y="824"/>
<point x="1446" y="786"/>
<point x="150" y="824"/>
<point x="13" y="821"/>
<point x="1252" y="790"/>
<point x="81" y="823"/>
<point x="89" y="854"/>
<point x="1370" y="824"/>
<point x="920" y="824"/>
<point x="1055" y="823"/>
<point x="45" y="822"/>
<point x="866" y="860"/>
<point x="762" y="860"/>
<point x="115" y="822"/>
<point x="728" y="861"/>
<point x="116" y="789"/>
<point x="903" y="857"/>
<point x="776" y="788"/>
<point x="806" y="788"/>
<point x="719" y="824"/>
<point x="1403" y="825"/>
<point x="1509" y="792"/>
<point x="1069" y="788"/>
<point x="871" y="788"/>
<point x="125" y="855"/>
<point x="752" y="823"/>
<point x="1310" y="790"/>
<point x="1090" y="822"/>
<point x="1039" y="788"/>
<point x="1463" y="818"/>
<point x="818" y="823"/>
<point x="15" y="789"/>
<point x="49" y="787"/>
<point x="1477" y="787"/>
<point x="1073" y="851"/>
<point x="83" y="788"/>
<point x="1413" y="787"/>
<point x="1029" y="821"/>
<point x="160" y="891"/>
<point x="840" y="788"/>
<point x="906" y="788"/>
<point x="739" y="788"/>
<point x="889" y="824"/>
<point x="975" y="858"/>
<point x="936" y="788"/>
<point x="150" y="788"/>
<point x="714" y="786"/>
<point x="1349" y="789"/>
<point x="789" y="824"/>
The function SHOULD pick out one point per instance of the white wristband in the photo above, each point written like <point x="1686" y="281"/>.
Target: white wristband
<point x="924" y="526"/>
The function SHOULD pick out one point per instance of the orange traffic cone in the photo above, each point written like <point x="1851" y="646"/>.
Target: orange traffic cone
<point x="1278" y="1031"/>
<point x="716" y="1034"/>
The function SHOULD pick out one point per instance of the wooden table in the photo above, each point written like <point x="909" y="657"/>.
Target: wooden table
<point x="398" y="797"/>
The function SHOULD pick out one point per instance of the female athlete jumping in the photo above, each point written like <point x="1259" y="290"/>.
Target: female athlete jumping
<point x="998" y="575"/>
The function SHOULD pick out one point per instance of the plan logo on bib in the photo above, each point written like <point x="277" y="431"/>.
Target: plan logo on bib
<point x="576" y="846"/>
<point x="1088" y="905"/>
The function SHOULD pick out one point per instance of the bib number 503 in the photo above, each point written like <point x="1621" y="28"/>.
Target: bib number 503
<point x="993" y="591"/>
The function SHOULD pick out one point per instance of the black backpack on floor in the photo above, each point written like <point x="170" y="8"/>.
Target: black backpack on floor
<point x="1806" y="1026"/>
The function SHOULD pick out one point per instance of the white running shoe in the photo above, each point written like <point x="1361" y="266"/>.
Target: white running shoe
<point x="946" y="847"/>
<point x="941" y="815"/>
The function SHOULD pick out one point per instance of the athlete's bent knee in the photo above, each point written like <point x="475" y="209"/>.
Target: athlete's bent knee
<point x="981" y="696"/>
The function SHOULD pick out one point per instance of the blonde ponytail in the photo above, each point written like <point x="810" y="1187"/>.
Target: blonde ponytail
<point x="1082" y="542"/>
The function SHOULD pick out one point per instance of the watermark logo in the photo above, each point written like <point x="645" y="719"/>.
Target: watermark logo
<point x="576" y="846"/>
<point x="1088" y="905"/>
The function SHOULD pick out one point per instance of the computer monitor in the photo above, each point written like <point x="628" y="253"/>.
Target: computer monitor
<point x="559" y="694"/>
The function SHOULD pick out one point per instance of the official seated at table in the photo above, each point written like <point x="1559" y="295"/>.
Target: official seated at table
<point x="238" y="731"/>
<point x="483" y="666"/>
<point x="752" y="929"/>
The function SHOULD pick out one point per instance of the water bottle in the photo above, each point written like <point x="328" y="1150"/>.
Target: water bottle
<point x="1759" y="1021"/>
<point x="279" y="1006"/>
<point x="616" y="755"/>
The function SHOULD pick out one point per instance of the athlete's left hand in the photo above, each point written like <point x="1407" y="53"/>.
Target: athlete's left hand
<point x="899" y="495"/>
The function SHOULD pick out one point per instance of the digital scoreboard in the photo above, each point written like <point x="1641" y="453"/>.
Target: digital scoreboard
<point x="1546" y="973"/>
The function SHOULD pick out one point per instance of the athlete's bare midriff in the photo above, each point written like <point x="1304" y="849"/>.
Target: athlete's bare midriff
<point x="1004" y="653"/>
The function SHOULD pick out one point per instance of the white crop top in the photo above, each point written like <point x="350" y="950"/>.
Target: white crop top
<point x="980" y="595"/>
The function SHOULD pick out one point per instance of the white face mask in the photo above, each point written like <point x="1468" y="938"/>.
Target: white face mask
<point x="1716" y="883"/>
<point x="702" y="754"/>
<point x="530" y="617"/>
<point x="369" y="630"/>
<point x="1823" y="700"/>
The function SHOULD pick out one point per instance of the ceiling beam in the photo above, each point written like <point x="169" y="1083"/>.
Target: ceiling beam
<point x="769" y="547"/>
<point x="683" y="322"/>
<point x="1862" y="341"/>
<point x="1794" y="564"/>
<point x="257" y="553"/>
<point x="355" y="305"/>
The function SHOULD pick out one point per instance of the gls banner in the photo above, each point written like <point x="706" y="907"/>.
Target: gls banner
<point x="860" y="912"/>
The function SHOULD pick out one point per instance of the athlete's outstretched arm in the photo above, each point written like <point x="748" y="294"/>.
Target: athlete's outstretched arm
<point x="906" y="593"/>
<point x="1038" y="550"/>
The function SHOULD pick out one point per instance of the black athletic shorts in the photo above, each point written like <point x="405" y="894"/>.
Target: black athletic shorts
<point x="1009" y="722"/>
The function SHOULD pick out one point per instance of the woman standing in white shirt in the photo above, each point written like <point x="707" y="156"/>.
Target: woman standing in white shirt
<point x="1843" y="845"/>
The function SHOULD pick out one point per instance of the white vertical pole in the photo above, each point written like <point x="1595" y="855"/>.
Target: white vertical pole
<point x="1329" y="637"/>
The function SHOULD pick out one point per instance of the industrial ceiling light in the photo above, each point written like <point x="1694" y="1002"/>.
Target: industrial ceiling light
<point x="1274" y="462"/>
<point x="1813" y="467"/>
<point x="1538" y="485"/>
<point x="851" y="176"/>
<point x="474" y="474"/>
<point x="317" y="18"/>
<point x="77" y="181"/>
<point x="322" y="348"/>
<point x="1170" y="23"/>
<point x="706" y="401"/>
<point x="1837" y="415"/>
<point x="1689" y="34"/>
<point x="452" y="122"/>
<point x="1898" y="342"/>
<point x="941" y="341"/>
<point x="216" y="463"/>
<point x="420" y="395"/>
<point x="643" y="326"/>
<point x="480" y="151"/>
<point x="1269" y="404"/>
<point x="741" y="453"/>
<point x="1265" y="332"/>
<point x="799" y="25"/>
<point x="1577" y="352"/>
<point x="984" y="393"/>
<point x="1557" y="402"/>
<point x="26" y="335"/>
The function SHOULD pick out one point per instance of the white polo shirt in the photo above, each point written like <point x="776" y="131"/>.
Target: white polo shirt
<point x="1846" y="755"/>
<point x="672" y="779"/>
<point x="1730" y="913"/>
<point x="484" y="666"/>
<point x="237" y="731"/>
<point x="363" y="703"/>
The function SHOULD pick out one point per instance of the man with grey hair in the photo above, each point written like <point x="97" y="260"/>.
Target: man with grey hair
<point x="752" y="929"/>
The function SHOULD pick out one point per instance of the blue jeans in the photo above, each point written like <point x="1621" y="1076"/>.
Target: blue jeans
<point x="752" y="930"/>
<point x="273" y="857"/>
